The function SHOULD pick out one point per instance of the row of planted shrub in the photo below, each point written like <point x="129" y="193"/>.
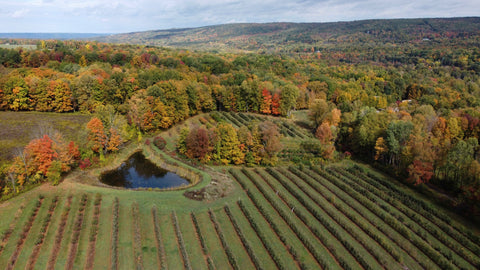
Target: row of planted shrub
<point x="115" y="229"/>
<point x="221" y="236"/>
<point x="417" y="223"/>
<point x="137" y="237"/>
<point x="93" y="231"/>
<point x="261" y="236"/>
<point x="42" y="234"/>
<point x="242" y="237"/>
<point x="202" y="241"/>
<point x="320" y="257"/>
<point x="344" y="220"/>
<point x="366" y="210"/>
<point x="181" y="243"/>
<point x="60" y="232"/>
<point x="23" y="235"/>
<point x="390" y="220"/>
<point x="77" y="228"/>
<point x="424" y="223"/>
<point x="8" y="232"/>
<point x="326" y="222"/>
<point x="358" y="219"/>
<point x="158" y="239"/>
<point x="443" y="221"/>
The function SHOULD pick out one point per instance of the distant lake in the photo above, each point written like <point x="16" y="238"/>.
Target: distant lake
<point x="139" y="172"/>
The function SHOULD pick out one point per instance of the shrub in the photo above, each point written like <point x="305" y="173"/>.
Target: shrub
<point x="159" y="142"/>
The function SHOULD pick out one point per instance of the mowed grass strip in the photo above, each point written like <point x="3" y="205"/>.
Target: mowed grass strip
<point x="172" y="250"/>
<point x="214" y="246"/>
<point x="67" y="214"/>
<point x="8" y="226"/>
<point x="49" y="241"/>
<point x="254" y="242"/>
<point x="125" y="237"/>
<point x="233" y="241"/>
<point x="162" y="259"/>
<point x="201" y="239"/>
<point x="77" y="231"/>
<point x="42" y="233"/>
<point x="148" y="247"/>
<point x="24" y="233"/>
<point x="191" y="242"/>
<point x="93" y="232"/>
<point x="137" y="237"/>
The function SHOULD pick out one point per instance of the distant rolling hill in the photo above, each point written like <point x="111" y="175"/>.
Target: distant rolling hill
<point x="281" y="36"/>
<point x="50" y="35"/>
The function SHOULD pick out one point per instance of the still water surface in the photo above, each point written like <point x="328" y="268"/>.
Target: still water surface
<point x="139" y="172"/>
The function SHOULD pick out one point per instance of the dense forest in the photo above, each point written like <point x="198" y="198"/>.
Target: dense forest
<point x="409" y="103"/>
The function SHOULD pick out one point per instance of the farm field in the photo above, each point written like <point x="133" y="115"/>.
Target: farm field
<point x="345" y="216"/>
<point x="18" y="128"/>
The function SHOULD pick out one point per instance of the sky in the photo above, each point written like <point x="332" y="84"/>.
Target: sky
<point x="123" y="16"/>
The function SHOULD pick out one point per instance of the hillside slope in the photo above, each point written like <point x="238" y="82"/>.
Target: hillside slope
<point x="276" y="36"/>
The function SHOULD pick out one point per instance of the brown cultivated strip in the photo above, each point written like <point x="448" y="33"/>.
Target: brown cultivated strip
<point x="24" y="234"/>
<point x="77" y="228"/>
<point x="59" y="235"/>
<point x="115" y="224"/>
<point x="137" y="237"/>
<point x="93" y="232"/>
<point x="162" y="258"/>
<point x="43" y="233"/>
<point x="8" y="232"/>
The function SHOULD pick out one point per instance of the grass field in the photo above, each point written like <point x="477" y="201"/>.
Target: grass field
<point x="343" y="216"/>
<point x="279" y="218"/>
<point x="19" y="128"/>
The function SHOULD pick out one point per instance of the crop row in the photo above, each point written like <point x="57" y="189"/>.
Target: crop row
<point x="77" y="228"/>
<point x="24" y="233"/>
<point x="413" y="221"/>
<point x="60" y="232"/>
<point x="181" y="243"/>
<point x="8" y="232"/>
<point x="344" y="220"/>
<point x="355" y="217"/>
<point x="137" y="237"/>
<point x="93" y="231"/>
<point x="115" y="229"/>
<point x="444" y="222"/>
<point x="158" y="240"/>
<point x="425" y="224"/>
<point x="242" y="237"/>
<point x="391" y="220"/>
<point x="390" y="227"/>
<point x="324" y="261"/>
<point x="261" y="236"/>
<point x="199" y="234"/>
<point x="221" y="236"/>
<point x="329" y="224"/>
<point x="317" y="229"/>
<point x="43" y="232"/>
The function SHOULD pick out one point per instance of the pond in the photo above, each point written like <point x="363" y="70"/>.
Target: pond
<point x="139" y="172"/>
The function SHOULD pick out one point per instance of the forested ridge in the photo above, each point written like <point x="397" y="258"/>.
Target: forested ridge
<point x="408" y="102"/>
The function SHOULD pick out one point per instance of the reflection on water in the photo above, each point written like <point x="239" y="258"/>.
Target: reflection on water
<point x="138" y="172"/>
